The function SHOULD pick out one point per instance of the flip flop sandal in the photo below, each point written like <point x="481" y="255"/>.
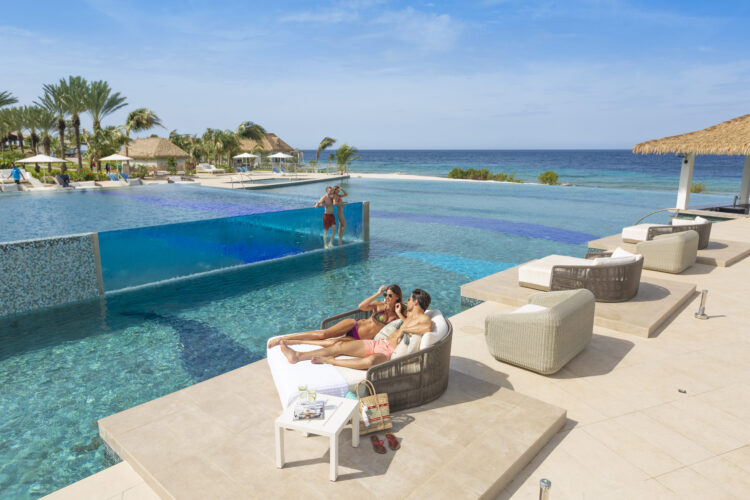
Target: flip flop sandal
<point x="377" y="444"/>
<point x="392" y="441"/>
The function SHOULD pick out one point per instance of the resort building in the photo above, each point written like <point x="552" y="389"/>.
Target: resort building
<point x="154" y="153"/>
<point x="271" y="143"/>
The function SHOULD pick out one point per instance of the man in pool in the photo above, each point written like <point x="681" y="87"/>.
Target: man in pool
<point x="329" y="220"/>
<point x="369" y="353"/>
<point x="353" y="329"/>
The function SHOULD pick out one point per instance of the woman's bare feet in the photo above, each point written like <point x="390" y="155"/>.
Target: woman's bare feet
<point x="291" y="355"/>
<point x="274" y="342"/>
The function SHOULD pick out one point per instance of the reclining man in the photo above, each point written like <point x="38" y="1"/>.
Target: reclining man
<point x="371" y="352"/>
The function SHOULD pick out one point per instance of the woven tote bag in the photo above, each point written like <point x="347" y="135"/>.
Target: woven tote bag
<point x="376" y="407"/>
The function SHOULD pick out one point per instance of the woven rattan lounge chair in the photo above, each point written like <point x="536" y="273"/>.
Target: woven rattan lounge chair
<point x="413" y="379"/>
<point x="652" y="231"/>
<point x="615" y="282"/>
<point x="539" y="339"/>
<point x="670" y="253"/>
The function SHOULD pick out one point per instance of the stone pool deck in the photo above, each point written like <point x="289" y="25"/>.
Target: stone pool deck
<point x="629" y="432"/>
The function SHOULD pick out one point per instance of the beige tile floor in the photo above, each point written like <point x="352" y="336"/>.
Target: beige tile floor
<point x="629" y="432"/>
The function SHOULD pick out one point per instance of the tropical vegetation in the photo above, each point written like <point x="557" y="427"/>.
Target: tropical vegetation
<point x="482" y="175"/>
<point x="548" y="177"/>
<point x="345" y="155"/>
<point x="698" y="187"/>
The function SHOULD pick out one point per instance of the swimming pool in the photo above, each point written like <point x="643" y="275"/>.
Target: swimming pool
<point x="56" y="213"/>
<point x="63" y="369"/>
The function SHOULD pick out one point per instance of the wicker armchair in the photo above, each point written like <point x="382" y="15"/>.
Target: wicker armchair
<point x="543" y="341"/>
<point x="411" y="380"/>
<point x="703" y="230"/>
<point x="670" y="253"/>
<point x="616" y="283"/>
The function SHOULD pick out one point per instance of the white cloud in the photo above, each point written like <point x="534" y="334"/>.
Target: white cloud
<point x="426" y="31"/>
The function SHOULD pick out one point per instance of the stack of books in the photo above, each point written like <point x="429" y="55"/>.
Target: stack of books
<point x="309" y="410"/>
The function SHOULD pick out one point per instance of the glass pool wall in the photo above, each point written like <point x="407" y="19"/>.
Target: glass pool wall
<point x="134" y="257"/>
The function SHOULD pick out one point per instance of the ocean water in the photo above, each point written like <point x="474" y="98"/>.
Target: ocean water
<point x="63" y="369"/>
<point x="596" y="168"/>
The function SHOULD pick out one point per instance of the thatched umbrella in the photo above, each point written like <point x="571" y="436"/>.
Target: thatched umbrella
<point x="731" y="137"/>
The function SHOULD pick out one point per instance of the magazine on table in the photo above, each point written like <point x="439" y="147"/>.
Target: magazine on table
<point x="309" y="410"/>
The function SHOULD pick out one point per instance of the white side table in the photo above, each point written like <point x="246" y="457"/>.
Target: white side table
<point x="338" y="413"/>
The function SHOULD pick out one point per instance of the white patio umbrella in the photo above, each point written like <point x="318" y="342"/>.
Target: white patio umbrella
<point x="245" y="155"/>
<point x="116" y="157"/>
<point x="280" y="155"/>
<point x="44" y="159"/>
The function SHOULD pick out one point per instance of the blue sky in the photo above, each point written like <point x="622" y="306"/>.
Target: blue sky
<point x="490" y="74"/>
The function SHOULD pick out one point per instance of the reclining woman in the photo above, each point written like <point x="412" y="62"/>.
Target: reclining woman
<point x="353" y="329"/>
<point x="367" y="353"/>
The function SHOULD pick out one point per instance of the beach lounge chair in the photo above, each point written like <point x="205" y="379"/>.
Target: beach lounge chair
<point x="124" y="176"/>
<point x="647" y="232"/>
<point x="670" y="253"/>
<point x="205" y="168"/>
<point x="63" y="182"/>
<point x="276" y="170"/>
<point x="543" y="335"/>
<point x="113" y="177"/>
<point x="415" y="375"/>
<point x="611" y="277"/>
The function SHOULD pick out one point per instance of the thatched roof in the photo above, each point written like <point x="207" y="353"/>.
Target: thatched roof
<point x="727" y="138"/>
<point x="153" y="147"/>
<point x="271" y="143"/>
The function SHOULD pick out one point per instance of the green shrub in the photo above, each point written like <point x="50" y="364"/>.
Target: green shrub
<point x="8" y="157"/>
<point x="500" y="176"/>
<point x="457" y="173"/>
<point x="172" y="165"/>
<point x="548" y="177"/>
<point x="698" y="187"/>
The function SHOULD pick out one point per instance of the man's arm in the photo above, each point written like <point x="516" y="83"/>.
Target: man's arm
<point x="320" y="201"/>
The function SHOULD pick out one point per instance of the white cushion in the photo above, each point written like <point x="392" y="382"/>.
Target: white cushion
<point x="619" y="252"/>
<point x="539" y="272"/>
<point x="388" y="330"/>
<point x="287" y="377"/>
<point x="440" y="330"/>
<point x="530" y="308"/>
<point x="615" y="261"/>
<point x="637" y="233"/>
<point x="701" y="220"/>
<point x="352" y="376"/>
<point x="689" y="222"/>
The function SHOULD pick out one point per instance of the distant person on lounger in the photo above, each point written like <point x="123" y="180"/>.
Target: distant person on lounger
<point x="353" y="329"/>
<point x="369" y="353"/>
<point x="329" y="220"/>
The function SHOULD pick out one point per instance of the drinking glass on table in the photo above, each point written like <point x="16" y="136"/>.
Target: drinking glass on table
<point x="312" y="394"/>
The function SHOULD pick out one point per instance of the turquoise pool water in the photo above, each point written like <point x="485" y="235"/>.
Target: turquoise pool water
<point x="63" y="369"/>
<point x="39" y="215"/>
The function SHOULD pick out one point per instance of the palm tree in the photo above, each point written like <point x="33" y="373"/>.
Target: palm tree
<point x="74" y="91"/>
<point x="101" y="102"/>
<point x="6" y="98"/>
<point x="16" y="119"/>
<point x="250" y="130"/>
<point x="5" y="127"/>
<point x="325" y="143"/>
<point x="345" y="156"/>
<point x="104" y="141"/>
<point x="139" y="120"/>
<point x="44" y="120"/>
<point x="53" y="101"/>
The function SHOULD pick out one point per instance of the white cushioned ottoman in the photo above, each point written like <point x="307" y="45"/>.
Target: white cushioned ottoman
<point x="538" y="273"/>
<point x="634" y="234"/>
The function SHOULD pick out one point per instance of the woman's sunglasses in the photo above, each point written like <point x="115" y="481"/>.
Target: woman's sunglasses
<point x="389" y="295"/>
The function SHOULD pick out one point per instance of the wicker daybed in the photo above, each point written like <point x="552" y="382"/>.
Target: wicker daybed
<point x="608" y="283"/>
<point x="703" y="229"/>
<point x="413" y="379"/>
